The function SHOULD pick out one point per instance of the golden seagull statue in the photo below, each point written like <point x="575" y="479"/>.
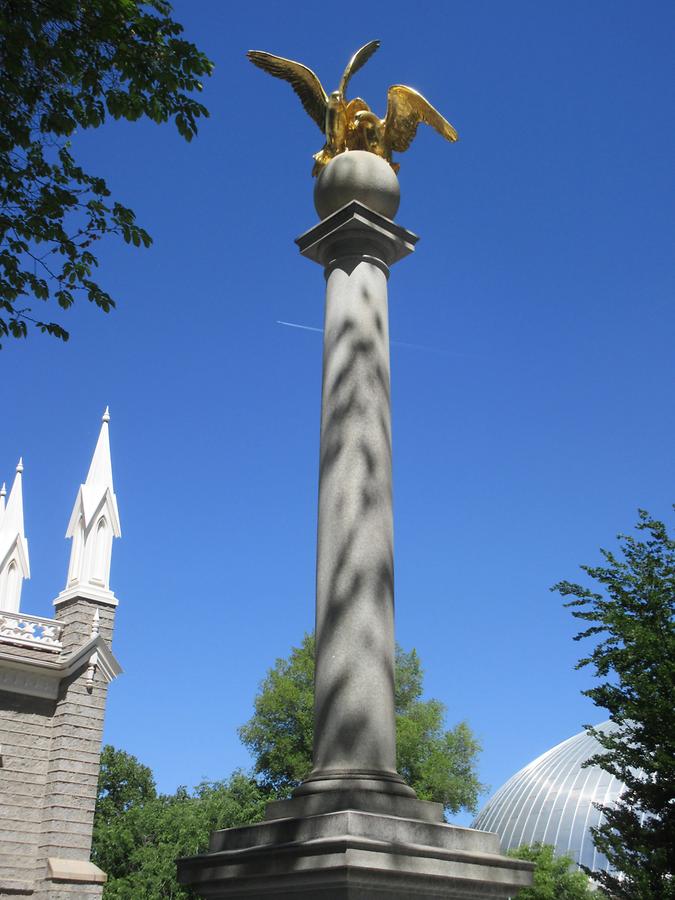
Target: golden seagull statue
<point x="350" y="124"/>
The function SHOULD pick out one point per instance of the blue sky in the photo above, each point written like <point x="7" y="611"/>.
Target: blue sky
<point x="532" y="416"/>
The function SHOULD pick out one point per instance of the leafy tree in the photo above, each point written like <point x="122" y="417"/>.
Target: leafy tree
<point x="438" y="764"/>
<point x="554" y="878"/>
<point x="632" y="621"/>
<point x="138" y="835"/>
<point x="279" y="735"/>
<point x="123" y="782"/>
<point x="67" y="65"/>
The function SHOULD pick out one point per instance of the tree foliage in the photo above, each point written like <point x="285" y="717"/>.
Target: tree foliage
<point x="631" y="618"/>
<point x="67" y="65"/>
<point x="439" y="764"/>
<point x="554" y="876"/>
<point x="123" y="782"/>
<point x="138" y="834"/>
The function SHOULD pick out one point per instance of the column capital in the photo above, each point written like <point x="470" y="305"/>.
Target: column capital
<point x="356" y="230"/>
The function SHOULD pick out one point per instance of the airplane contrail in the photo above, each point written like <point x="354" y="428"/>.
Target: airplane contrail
<point x="394" y="343"/>
<point x="304" y="327"/>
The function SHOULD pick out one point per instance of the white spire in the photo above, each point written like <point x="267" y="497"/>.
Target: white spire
<point x="100" y="469"/>
<point x="93" y="524"/>
<point x="14" y="562"/>
<point x="3" y="494"/>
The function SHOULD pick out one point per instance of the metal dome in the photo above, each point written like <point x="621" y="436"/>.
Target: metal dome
<point x="551" y="801"/>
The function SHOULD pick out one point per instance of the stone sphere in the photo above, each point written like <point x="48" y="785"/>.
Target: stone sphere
<point x="357" y="175"/>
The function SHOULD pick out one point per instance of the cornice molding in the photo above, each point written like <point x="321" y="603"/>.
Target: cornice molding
<point x="107" y="598"/>
<point x="42" y="677"/>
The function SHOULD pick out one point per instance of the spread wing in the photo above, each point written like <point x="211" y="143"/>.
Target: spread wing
<point x="303" y="81"/>
<point x="406" y="108"/>
<point x="358" y="60"/>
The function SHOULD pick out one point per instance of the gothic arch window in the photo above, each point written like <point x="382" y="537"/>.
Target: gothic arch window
<point x="99" y="569"/>
<point x="9" y="597"/>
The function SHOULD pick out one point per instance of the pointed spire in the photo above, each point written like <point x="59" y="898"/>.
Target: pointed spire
<point x="100" y="470"/>
<point x="93" y="524"/>
<point x="14" y="561"/>
<point x="98" y="483"/>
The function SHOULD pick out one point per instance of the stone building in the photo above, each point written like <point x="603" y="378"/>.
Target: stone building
<point x="54" y="676"/>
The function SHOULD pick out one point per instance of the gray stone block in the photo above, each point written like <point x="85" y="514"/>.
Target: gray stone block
<point x="15" y="887"/>
<point x="350" y="855"/>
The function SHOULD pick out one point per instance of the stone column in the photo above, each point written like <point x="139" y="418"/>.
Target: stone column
<point x="354" y="719"/>
<point x="354" y="690"/>
<point x="356" y="242"/>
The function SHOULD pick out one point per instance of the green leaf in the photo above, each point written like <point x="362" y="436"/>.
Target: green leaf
<point x="65" y="67"/>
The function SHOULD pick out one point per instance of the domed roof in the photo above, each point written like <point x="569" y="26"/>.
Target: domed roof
<point x="551" y="801"/>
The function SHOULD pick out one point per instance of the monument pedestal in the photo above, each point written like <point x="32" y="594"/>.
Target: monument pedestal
<point x="354" y="855"/>
<point x="354" y="830"/>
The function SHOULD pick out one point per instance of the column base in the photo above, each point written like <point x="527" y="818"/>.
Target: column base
<point x="327" y="791"/>
<point x="356" y="798"/>
<point x="383" y="780"/>
<point x="350" y="855"/>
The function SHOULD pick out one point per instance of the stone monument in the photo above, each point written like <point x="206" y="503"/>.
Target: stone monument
<point x="354" y="829"/>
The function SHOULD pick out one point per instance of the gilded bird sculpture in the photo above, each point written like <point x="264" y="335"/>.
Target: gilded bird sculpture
<point x="351" y="124"/>
<point x="332" y="113"/>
